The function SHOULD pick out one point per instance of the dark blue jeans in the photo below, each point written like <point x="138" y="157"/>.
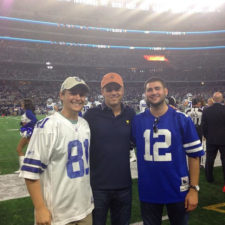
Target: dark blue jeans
<point x="152" y="213"/>
<point x="117" y="201"/>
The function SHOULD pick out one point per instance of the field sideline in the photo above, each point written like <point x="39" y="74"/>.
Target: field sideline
<point x="211" y="209"/>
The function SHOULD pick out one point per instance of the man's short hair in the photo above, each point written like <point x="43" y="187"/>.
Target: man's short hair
<point x="155" y="79"/>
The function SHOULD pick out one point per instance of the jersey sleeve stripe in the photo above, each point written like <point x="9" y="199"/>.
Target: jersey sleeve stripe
<point x="35" y="162"/>
<point x="195" y="150"/>
<point x="31" y="169"/>
<point x="192" y="144"/>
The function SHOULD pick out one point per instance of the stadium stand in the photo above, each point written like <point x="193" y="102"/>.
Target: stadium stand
<point x="36" y="69"/>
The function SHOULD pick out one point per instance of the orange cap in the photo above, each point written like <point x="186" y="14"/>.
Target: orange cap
<point x="111" y="78"/>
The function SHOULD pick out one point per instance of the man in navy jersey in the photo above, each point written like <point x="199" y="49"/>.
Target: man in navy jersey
<point x="163" y="138"/>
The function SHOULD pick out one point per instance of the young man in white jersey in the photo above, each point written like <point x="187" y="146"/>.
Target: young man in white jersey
<point x="56" y="165"/>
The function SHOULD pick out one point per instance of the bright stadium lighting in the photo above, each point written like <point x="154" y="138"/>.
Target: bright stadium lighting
<point x="87" y="2"/>
<point x="131" y="5"/>
<point x="176" y="6"/>
<point x="159" y="58"/>
<point x="117" y="4"/>
<point x="191" y="6"/>
<point x="104" y="2"/>
<point x="49" y="67"/>
<point x="144" y="5"/>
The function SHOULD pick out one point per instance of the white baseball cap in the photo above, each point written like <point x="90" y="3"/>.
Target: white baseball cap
<point x="71" y="82"/>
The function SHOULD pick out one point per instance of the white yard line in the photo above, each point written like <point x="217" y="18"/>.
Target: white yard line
<point x="12" y="187"/>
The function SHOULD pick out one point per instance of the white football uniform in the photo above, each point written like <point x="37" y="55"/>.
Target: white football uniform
<point x="25" y="119"/>
<point x="51" y="108"/>
<point x="59" y="105"/>
<point x="96" y="103"/>
<point x="142" y="105"/>
<point x="87" y="106"/>
<point x="58" y="155"/>
<point x="196" y="115"/>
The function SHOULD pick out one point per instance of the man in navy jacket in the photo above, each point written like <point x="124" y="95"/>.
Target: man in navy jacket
<point x="213" y="125"/>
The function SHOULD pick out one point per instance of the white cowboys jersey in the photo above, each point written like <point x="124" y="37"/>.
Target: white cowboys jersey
<point x="58" y="155"/>
<point x="86" y="107"/>
<point x="51" y="108"/>
<point x="96" y="103"/>
<point x="142" y="105"/>
<point x="25" y="119"/>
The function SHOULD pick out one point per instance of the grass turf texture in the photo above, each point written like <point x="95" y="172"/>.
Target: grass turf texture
<point x="20" y="211"/>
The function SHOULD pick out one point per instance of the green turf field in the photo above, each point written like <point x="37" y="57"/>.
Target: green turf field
<point x="20" y="211"/>
<point x="9" y="138"/>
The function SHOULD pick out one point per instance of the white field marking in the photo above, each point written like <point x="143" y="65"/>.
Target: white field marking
<point x="13" y="187"/>
<point x="8" y="118"/>
<point x="12" y="130"/>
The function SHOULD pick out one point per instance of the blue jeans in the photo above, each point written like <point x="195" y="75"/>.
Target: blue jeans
<point x="117" y="201"/>
<point x="152" y="213"/>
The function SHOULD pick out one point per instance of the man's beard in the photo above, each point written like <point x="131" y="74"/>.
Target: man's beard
<point x="149" y="104"/>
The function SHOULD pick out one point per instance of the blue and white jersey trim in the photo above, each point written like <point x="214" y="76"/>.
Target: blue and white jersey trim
<point x="194" y="150"/>
<point x="193" y="147"/>
<point x="32" y="169"/>
<point x="192" y="144"/>
<point x="33" y="165"/>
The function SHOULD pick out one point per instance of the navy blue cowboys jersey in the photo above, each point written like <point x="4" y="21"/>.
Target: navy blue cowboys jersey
<point x="161" y="155"/>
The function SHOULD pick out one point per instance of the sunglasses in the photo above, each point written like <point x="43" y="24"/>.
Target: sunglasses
<point x="155" y="125"/>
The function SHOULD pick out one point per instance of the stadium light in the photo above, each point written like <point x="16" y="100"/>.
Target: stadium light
<point x="176" y="6"/>
<point x="190" y="6"/>
<point x="144" y="5"/>
<point x="159" y="58"/>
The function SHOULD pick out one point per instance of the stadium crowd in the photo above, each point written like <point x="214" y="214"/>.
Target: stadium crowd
<point x="12" y="92"/>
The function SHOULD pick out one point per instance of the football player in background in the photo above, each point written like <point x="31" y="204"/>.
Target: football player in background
<point x="189" y="99"/>
<point x="142" y="104"/>
<point x="88" y="105"/>
<point x="28" y="121"/>
<point x="196" y="115"/>
<point x="59" y="106"/>
<point x="163" y="137"/>
<point x="186" y="103"/>
<point x="56" y="165"/>
<point x="51" y="106"/>
<point x="99" y="101"/>
<point x="171" y="101"/>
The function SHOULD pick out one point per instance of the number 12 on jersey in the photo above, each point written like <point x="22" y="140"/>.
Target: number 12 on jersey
<point x="157" y="145"/>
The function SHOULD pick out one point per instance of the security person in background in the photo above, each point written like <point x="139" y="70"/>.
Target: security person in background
<point x="213" y="125"/>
